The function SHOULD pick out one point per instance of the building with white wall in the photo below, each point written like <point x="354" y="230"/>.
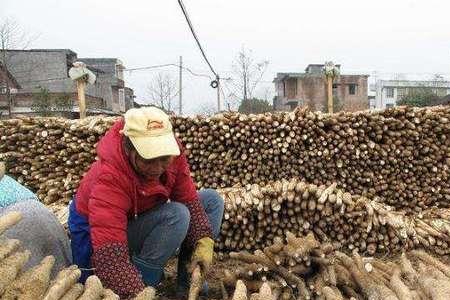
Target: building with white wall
<point x="389" y="92"/>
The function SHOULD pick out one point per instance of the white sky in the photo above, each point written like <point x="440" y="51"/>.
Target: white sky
<point x="387" y="36"/>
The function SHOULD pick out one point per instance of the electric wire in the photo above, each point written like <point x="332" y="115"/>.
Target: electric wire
<point x="191" y="27"/>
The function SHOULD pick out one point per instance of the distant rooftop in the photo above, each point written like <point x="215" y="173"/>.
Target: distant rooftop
<point x="100" y="60"/>
<point x="311" y="70"/>
<point x="414" y="83"/>
<point x="42" y="50"/>
<point x="317" y="68"/>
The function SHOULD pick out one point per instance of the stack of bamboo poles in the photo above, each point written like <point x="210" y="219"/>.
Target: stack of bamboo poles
<point x="35" y="283"/>
<point x="50" y="155"/>
<point x="401" y="155"/>
<point x="333" y="275"/>
<point x="256" y="216"/>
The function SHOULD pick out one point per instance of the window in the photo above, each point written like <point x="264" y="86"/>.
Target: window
<point x="352" y="89"/>
<point x="389" y="92"/>
<point x="389" y="105"/>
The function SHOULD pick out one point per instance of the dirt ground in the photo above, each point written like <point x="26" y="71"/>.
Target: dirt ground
<point x="167" y="291"/>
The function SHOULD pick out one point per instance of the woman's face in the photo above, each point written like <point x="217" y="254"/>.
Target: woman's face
<point x="149" y="169"/>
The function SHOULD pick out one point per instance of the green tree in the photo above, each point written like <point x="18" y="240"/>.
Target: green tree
<point x="62" y="103"/>
<point x="419" y="97"/>
<point x="42" y="102"/>
<point x="47" y="105"/>
<point x="255" y="106"/>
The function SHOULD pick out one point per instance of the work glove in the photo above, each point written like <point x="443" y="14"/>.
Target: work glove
<point x="203" y="254"/>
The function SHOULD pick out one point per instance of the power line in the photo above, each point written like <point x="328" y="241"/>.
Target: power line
<point x="150" y="67"/>
<point x="108" y="75"/>
<point x="168" y="65"/>
<point x="183" y="8"/>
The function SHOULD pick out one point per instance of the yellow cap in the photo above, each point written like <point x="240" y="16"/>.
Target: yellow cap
<point x="150" y="131"/>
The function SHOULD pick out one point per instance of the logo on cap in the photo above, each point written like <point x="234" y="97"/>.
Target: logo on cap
<point x="151" y="124"/>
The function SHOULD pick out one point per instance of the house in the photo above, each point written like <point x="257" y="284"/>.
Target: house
<point x="38" y="69"/>
<point x="389" y="92"/>
<point x="8" y="85"/>
<point x="112" y="74"/>
<point x="310" y="88"/>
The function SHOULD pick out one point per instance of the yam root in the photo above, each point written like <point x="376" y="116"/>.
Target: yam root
<point x="10" y="267"/>
<point x="427" y="258"/>
<point x="9" y="220"/>
<point x="196" y="283"/>
<point x="8" y="246"/>
<point x="74" y="292"/>
<point x="63" y="284"/>
<point x="397" y="285"/>
<point x="148" y="293"/>
<point x="33" y="283"/>
<point x="109" y="295"/>
<point x="240" y="292"/>
<point x="93" y="289"/>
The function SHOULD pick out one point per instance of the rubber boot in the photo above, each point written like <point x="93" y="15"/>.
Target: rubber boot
<point x="150" y="275"/>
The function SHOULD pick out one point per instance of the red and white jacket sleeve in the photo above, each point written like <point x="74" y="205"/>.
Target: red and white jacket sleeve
<point x="108" y="207"/>
<point x="184" y="191"/>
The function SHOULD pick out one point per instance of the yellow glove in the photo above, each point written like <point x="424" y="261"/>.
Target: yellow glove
<point x="203" y="254"/>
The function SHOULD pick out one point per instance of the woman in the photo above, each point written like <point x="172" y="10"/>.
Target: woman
<point x="39" y="230"/>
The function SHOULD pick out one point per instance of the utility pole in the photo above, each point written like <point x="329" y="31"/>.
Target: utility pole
<point x="81" y="86"/>
<point x="330" y="93"/>
<point x="82" y="76"/>
<point x="331" y="72"/>
<point x="218" y="93"/>
<point x="180" y="104"/>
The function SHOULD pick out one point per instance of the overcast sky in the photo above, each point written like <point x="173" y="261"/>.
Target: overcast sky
<point x="386" y="36"/>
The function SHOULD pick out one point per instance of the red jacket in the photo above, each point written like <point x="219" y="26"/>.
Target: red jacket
<point x="111" y="192"/>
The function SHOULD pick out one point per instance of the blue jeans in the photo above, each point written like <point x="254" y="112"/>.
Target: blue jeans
<point x="155" y="236"/>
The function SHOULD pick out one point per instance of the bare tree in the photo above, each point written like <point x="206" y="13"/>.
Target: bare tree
<point x="266" y="93"/>
<point x="247" y="74"/>
<point x="12" y="36"/>
<point x="206" y="108"/>
<point x="162" y="90"/>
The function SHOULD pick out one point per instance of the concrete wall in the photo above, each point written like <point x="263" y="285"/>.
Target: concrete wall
<point x="358" y="101"/>
<point x="110" y="66"/>
<point x="311" y="90"/>
<point x="34" y="68"/>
